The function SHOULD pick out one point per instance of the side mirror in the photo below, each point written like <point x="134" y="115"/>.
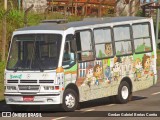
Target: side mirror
<point x="72" y="57"/>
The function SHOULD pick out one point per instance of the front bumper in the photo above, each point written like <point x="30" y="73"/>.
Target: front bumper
<point x="39" y="99"/>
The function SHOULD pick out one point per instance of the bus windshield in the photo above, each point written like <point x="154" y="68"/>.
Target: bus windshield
<point x="34" y="52"/>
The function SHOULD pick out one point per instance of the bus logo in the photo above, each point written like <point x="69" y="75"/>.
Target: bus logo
<point x="16" y="76"/>
<point x="29" y="87"/>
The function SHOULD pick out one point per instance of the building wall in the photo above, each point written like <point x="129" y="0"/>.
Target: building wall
<point x="39" y="5"/>
<point x="127" y="8"/>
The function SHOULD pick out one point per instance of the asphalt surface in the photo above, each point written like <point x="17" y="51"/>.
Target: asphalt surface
<point x="147" y="100"/>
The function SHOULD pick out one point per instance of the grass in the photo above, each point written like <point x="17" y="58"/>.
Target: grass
<point x="158" y="58"/>
<point x="1" y="92"/>
<point x="2" y="67"/>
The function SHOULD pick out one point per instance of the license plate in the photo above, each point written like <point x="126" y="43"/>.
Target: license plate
<point x="28" y="98"/>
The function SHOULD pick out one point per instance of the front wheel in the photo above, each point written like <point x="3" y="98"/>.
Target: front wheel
<point x="70" y="100"/>
<point x="124" y="93"/>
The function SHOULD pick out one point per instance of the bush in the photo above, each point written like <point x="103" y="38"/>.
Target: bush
<point x="2" y="67"/>
<point x="74" y="18"/>
<point x="139" y="13"/>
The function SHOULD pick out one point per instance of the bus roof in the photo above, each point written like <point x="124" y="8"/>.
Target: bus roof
<point x="85" y="22"/>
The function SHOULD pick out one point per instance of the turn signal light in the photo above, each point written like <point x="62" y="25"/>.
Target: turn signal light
<point x="56" y="87"/>
<point x="59" y="70"/>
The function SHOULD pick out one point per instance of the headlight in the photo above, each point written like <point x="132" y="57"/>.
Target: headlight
<point x="11" y="88"/>
<point x="46" y="87"/>
<point x="51" y="88"/>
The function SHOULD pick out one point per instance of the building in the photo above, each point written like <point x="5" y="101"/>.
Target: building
<point x="39" y="5"/>
<point x="81" y="7"/>
<point x="85" y="7"/>
<point x="127" y="7"/>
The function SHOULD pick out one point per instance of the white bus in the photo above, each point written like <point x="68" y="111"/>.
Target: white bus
<point x="79" y="61"/>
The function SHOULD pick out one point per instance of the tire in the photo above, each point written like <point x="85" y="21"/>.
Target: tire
<point x="70" y="100"/>
<point x="112" y="99"/>
<point x="124" y="93"/>
<point x="18" y="108"/>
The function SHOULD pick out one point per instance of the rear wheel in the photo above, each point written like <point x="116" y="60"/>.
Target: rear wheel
<point x="124" y="93"/>
<point x="70" y="100"/>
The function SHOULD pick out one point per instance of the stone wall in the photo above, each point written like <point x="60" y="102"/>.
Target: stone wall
<point x="39" y="5"/>
<point x="127" y="8"/>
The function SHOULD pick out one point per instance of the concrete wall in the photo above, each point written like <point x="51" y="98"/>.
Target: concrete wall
<point x="124" y="9"/>
<point x="39" y="5"/>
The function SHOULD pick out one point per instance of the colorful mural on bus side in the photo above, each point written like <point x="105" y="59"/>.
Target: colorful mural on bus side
<point x="100" y="78"/>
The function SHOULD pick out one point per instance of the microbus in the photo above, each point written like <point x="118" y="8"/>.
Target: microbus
<point x="68" y="63"/>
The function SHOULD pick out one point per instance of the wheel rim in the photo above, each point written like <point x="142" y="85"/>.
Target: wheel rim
<point x="124" y="92"/>
<point x="70" y="101"/>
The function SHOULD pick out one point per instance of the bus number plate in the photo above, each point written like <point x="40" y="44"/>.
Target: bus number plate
<point x="28" y="98"/>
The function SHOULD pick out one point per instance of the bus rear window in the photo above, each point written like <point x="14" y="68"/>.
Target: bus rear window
<point x="142" y="38"/>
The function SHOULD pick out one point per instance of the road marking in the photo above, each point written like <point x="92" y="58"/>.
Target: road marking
<point x="155" y="93"/>
<point x="88" y="110"/>
<point x="110" y="104"/>
<point x="94" y="109"/>
<point x="59" y="118"/>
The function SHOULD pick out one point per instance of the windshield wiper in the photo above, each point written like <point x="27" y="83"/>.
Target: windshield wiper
<point x="40" y="67"/>
<point x="39" y="64"/>
<point x="33" y="52"/>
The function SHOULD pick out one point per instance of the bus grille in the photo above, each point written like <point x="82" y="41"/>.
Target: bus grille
<point x="28" y="81"/>
<point x="12" y="81"/>
<point x="29" y="87"/>
<point x="46" y="81"/>
<point x="31" y="81"/>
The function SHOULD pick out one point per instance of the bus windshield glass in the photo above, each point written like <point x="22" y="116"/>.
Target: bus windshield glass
<point x="34" y="52"/>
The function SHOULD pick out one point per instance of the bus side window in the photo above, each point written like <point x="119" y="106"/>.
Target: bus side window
<point x="69" y="52"/>
<point x="123" y="40"/>
<point x="84" y="46"/>
<point x="103" y="42"/>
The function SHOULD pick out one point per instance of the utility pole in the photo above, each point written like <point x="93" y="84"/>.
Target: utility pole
<point x="76" y="7"/>
<point x="19" y="4"/>
<point x="157" y="25"/>
<point x="5" y="5"/>
<point x="4" y="24"/>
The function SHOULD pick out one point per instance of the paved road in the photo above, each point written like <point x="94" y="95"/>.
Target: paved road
<point x="145" y="100"/>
